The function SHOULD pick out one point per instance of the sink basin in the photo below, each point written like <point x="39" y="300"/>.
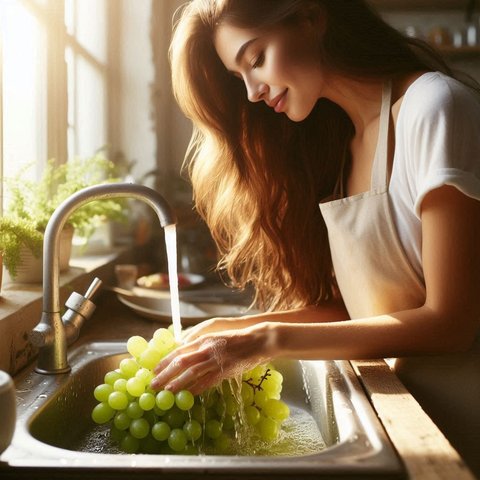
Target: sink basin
<point x="54" y="421"/>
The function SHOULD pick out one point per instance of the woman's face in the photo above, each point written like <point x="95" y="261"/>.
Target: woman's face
<point x="280" y="67"/>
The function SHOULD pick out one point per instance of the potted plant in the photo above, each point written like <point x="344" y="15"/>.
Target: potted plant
<point x="17" y="235"/>
<point x="33" y="202"/>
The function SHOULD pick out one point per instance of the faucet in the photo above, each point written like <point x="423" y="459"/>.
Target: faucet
<point x="54" y="333"/>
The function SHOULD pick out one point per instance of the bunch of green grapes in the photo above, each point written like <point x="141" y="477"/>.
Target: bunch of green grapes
<point x="143" y="420"/>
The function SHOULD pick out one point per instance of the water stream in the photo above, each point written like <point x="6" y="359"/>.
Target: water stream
<point x="171" y="244"/>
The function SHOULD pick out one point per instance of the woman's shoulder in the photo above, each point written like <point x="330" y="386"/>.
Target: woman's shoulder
<point x="436" y="94"/>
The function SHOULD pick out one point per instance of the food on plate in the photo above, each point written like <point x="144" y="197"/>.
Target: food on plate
<point x="160" y="280"/>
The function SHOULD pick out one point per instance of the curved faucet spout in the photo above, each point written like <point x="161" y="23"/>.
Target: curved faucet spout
<point x="50" y="334"/>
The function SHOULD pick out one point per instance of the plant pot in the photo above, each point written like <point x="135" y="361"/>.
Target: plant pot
<point x="30" y="269"/>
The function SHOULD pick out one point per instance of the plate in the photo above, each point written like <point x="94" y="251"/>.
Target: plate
<point x="159" y="309"/>
<point x="159" y="281"/>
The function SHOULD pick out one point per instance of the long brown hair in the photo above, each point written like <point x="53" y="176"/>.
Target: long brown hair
<point x="257" y="176"/>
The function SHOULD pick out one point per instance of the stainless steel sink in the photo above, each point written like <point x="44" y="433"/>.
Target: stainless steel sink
<point x="54" y="419"/>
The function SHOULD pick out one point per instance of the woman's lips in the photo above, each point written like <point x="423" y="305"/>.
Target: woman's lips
<point x="279" y="102"/>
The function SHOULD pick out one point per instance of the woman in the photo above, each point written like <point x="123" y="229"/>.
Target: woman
<point x="343" y="111"/>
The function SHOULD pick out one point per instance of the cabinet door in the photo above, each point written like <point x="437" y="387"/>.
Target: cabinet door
<point x="419" y="4"/>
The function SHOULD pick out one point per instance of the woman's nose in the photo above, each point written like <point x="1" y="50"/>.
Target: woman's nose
<point x="256" y="91"/>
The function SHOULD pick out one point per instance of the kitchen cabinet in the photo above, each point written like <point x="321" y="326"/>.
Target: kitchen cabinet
<point x="442" y="10"/>
<point x="432" y="5"/>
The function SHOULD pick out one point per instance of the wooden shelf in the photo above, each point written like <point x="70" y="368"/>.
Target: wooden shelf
<point x="419" y="4"/>
<point x="459" y="52"/>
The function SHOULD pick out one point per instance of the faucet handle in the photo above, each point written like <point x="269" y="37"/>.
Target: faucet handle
<point x="79" y="308"/>
<point x="93" y="288"/>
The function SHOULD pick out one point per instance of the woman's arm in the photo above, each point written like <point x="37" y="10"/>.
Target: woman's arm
<point x="447" y="322"/>
<point x="334" y="311"/>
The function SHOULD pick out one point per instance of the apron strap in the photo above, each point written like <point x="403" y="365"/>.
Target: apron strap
<point x="380" y="162"/>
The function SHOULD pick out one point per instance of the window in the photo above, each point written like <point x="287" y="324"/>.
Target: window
<point x="23" y="93"/>
<point x="86" y="59"/>
<point x="52" y="54"/>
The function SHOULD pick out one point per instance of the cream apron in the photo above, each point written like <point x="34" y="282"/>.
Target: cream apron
<point x="375" y="277"/>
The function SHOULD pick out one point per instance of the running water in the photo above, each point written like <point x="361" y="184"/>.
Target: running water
<point x="171" y="244"/>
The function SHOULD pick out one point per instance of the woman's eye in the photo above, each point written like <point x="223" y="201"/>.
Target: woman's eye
<point x="258" y="61"/>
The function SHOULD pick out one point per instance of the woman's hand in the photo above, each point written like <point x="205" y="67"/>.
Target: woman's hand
<point x="207" y="358"/>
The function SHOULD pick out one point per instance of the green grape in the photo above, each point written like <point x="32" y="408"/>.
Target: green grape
<point x="213" y="429"/>
<point x="276" y="409"/>
<point x="161" y="431"/>
<point x="102" y="413"/>
<point x="271" y="388"/>
<point x="118" y="400"/>
<point x="165" y="338"/>
<point x="231" y="405"/>
<point x="252" y="415"/>
<point x="210" y="414"/>
<point x="246" y="394"/>
<point x="122" y="421"/>
<point x="260" y="398"/>
<point x="116" y="434"/>
<point x="158" y="347"/>
<point x="120" y="385"/>
<point x="267" y="428"/>
<point x="150" y="416"/>
<point x="149" y="445"/>
<point x="210" y="398"/>
<point x="136" y="345"/>
<point x="228" y="423"/>
<point x="158" y="411"/>
<point x="190" y="449"/>
<point x="111" y="377"/>
<point x="165" y="399"/>
<point x="146" y="401"/>
<point x="134" y="410"/>
<point x="129" y="367"/>
<point x="184" y="400"/>
<point x="130" y="444"/>
<point x="198" y="413"/>
<point x="150" y="358"/>
<point x="145" y="375"/>
<point x="222" y="443"/>
<point x="220" y="407"/>
<point x="102" y="392"/>
<point x="276" y="376"/>
<point x="193" y="430"/>
<point x="177" y="440"/>
<point x="175" y="417"/>
<point x="135" y="386"/>
<point x="256" y="373"/>
<point x="139" y="428"/>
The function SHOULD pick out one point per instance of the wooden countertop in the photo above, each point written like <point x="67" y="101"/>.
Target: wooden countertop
<point x="425" y="451"/>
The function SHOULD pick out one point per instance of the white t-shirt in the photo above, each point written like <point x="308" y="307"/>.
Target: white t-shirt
<point x="437" y="142"/>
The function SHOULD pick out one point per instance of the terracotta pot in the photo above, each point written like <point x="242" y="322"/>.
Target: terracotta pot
<point x="31" y="268"/>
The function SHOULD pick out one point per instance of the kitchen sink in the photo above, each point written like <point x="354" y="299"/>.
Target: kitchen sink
<point x="54" y="428"/>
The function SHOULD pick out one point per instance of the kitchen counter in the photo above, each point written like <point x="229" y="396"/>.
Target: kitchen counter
<point x="424" y="450"/>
